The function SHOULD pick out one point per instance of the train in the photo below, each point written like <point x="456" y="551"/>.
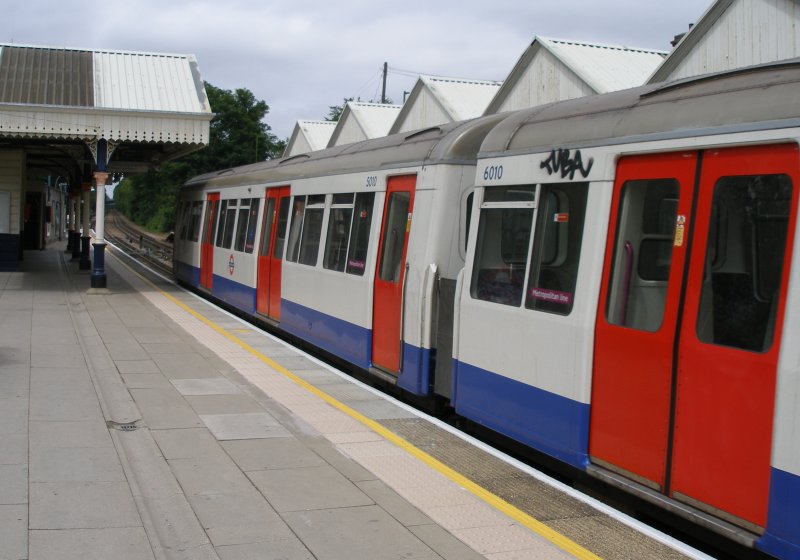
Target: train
<point x="611" y="281"/>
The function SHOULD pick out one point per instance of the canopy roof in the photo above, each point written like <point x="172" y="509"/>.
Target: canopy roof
<point x="150" y="107"/>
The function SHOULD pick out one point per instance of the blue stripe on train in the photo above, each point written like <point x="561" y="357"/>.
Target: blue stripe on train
<point x="783" y="526"/>
<point x="546" y="421"/>
<point x="238" y="295"/>
<point x="187" y="273"/>
<point x="353" y="343"/>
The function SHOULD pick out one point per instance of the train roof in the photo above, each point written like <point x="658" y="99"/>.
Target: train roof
<point x="736" y="101"/>
<point x="448" y="143"/>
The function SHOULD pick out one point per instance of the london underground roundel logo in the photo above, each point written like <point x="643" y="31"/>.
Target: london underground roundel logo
<point x="231" y="265"/>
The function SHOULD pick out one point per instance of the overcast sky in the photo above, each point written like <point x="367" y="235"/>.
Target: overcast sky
<point x="301" y="56"/>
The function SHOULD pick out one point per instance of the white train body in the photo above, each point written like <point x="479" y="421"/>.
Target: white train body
<point x="612" y="281"/>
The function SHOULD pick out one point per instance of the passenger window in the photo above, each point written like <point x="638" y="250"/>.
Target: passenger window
<point x="252" y="222"/>
<point x="557" y="247"/>
<point x="501" y="252"/>
<point x="298" y="211"/>
<point x="359" y="233"/>
<point x="642" y="254"/>
<point x="744" y="261"/>
<point x="266" y="227"/>
<point x="338" y="232"/>
<point x="184" y="220"/>
<point x="222" y="216"/>
<point x="230" y="223"/>
<point x="312" y="230"/>
<point x="280" y="233"/>
<point x="241" y="224"/>
<point x="197" y="209"/>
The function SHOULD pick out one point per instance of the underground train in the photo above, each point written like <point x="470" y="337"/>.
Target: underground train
<point x="610" y="280"/>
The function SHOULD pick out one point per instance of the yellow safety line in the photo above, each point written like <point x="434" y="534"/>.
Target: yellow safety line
<point x="496" y="502"/>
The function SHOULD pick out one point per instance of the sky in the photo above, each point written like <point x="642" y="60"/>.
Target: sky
<point x="302" y="56"/>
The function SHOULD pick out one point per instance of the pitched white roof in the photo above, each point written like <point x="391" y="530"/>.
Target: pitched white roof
<point x="309" y="136"/>
<point x="438" y="100"/>
<point x="362" y="121"/>
<point x="734" y="34"/>
<point x="554" y="70"/>
<point x="605" y="67"/>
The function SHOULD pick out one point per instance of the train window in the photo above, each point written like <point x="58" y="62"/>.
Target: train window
<point x="255" y="206"/>
<point x="359" y="233"/>
<point x="211" y="212"/>
<point x="744" y="261"/>
<point x="468" y="218"/>
<point x="312" y="230"/>
<point x="298" y="211"/>
<point x="197" y="210"/>
<point x="557" y="247"/>
<point x="394" y="236"/>
<point x="338" y="236"/>
<point x="222" y="216"/>
<point x="230" y="224"/>
<point x="266" y="227"/>
<point x="642" y="254"/>
<point x="280" y="232"/>
<point x="501" y="252"/>
<point x="241" y="224"/>
<point x="183" y="219"/>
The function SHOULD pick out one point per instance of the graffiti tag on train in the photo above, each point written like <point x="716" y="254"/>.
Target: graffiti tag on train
<point x="562" y="161"/>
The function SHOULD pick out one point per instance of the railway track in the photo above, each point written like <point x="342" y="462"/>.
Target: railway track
<point x="142" y="245"/>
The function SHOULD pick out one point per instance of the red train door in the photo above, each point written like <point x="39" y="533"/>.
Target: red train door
<point x="731" y="332"/>
<point x="270" y="255"/>
<point x="638" y="315"/>
<point x="387" y="308"/>
<point x="689" y="326"/>
<point x="207" y="242"/>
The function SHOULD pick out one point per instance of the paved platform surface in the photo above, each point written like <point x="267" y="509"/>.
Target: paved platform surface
<point x="140" y="423"/>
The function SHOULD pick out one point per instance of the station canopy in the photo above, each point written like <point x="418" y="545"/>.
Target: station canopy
<point x="57" y="103"/>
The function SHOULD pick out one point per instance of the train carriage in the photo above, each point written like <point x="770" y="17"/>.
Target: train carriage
<point x="629" y="301"/>
<point x="354" y="249"/>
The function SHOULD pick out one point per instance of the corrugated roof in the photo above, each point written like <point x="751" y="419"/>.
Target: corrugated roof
<point x="361" y="121"/>
<point x="117" y="95"/>
<point x="456" y="99"/>
<point x="463" y="99"/>
<point x="605" y="67"/>
<point x="309" y="136"/>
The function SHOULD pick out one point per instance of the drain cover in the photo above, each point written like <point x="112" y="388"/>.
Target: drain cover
<point x="122" y="427"/>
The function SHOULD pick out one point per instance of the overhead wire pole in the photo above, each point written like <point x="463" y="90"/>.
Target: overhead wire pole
<point x="383" y="91"/>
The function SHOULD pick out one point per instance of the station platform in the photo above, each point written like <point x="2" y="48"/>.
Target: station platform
<point x="141" y="422"/>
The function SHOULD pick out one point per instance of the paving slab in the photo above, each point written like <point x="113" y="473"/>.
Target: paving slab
<point x="244" y="426"/>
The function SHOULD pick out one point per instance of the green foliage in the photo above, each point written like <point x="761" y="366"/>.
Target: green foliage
<point x="335" y="111"/>
<point x="237" y="136"/>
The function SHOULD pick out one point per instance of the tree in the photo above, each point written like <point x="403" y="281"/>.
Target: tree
<point x="335" y="111"/>
<point x="238" y="135"/>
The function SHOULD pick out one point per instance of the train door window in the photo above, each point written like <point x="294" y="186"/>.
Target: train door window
<point x="211" y="211"/>
<point x="501" y="251"/>
<point x="744" y="261"/>
<point x="266" y="227"/>
<point x="468" y="218"/>
<point x="338" y="236"/>
<point x="312" y="230"/>
<point x="394" y="231"/>
<point x="280" y="233"/>
<point x="197" y="210"/>
<point x="642" y="254"/>
<point x="298" y="212"/>
<point x="359" y="233"/>
<point x="557" y="247"/>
